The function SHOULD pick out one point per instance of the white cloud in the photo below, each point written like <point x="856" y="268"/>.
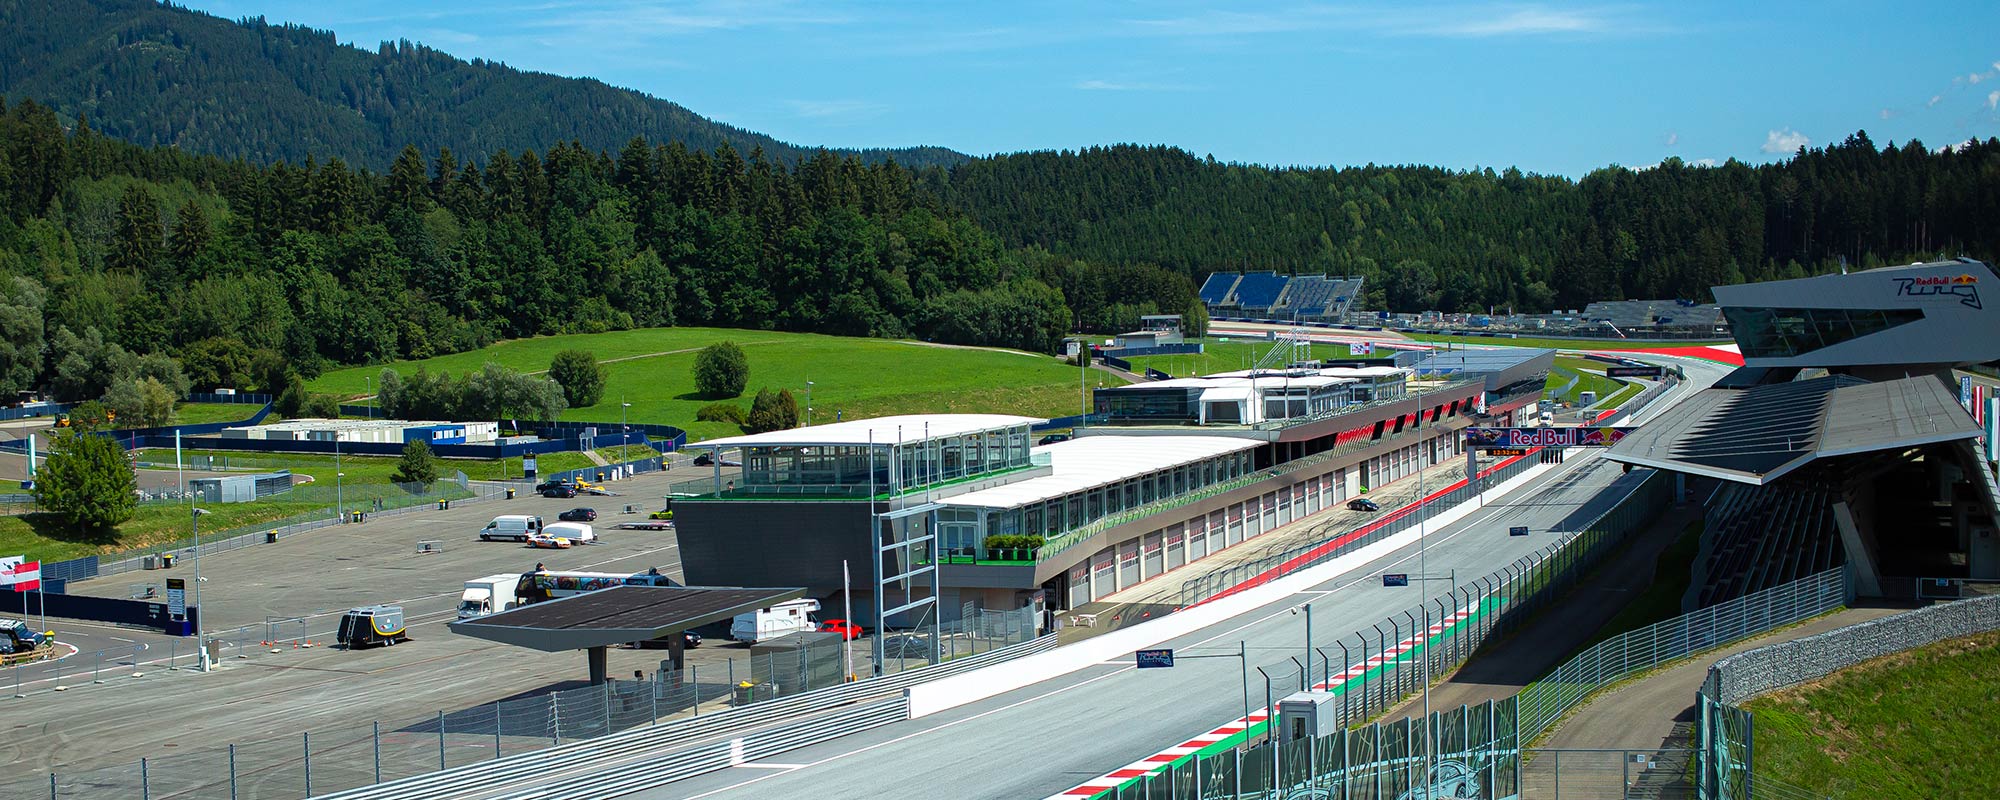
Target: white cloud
<point x="1673" y="138"/>
<point x="1993" y="100"/>
<point x="1935" y="99"/>
<point x="1705" y="162"/>
<point x="1950" y="147"/>
<point x="1785" y="141"/>
<point x="1977" y="77"/>
<point x="1524" y="22"/>
<point x="1887" y="113"/>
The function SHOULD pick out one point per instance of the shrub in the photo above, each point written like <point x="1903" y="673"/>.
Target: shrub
<point x="418" y="464"/>
<point x="581" y="377"/>
<point x="88" y="482"/>
<point x="721" y="412"/>
<point x="772" y="411"/>
<point x="721" y="370"/>
<point x="1025" y="542"/>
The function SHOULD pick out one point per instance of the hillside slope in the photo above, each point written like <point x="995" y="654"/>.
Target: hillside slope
<point x="155" y="74"/>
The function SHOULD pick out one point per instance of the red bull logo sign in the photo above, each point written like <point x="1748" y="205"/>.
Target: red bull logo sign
<point x="1510" y="438"/>
<point x="1965" y="287"/>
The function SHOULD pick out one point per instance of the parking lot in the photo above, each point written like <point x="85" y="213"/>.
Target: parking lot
<point x="313" y="576"/>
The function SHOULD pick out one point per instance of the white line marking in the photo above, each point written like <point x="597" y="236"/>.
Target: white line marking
<point x="773" y="766"/>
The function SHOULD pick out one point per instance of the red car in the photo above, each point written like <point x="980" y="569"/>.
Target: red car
<point x="848" y="631"/>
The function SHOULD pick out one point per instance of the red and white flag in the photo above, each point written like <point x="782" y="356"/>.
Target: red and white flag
<point x="21" y="576"/>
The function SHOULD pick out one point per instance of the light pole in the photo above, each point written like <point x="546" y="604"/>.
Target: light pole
<point x="1307" y="666"/>
<point x="1423" y="590"/>
<point x="201" y="646"/>
<point x="623" y="429"/>
<point x="339" y="504"/>
<point x="809" y="403"/>
<point x="369" y="382"/>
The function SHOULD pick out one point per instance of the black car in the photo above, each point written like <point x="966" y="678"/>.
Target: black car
<point x="560" y="490"/>
<point x="708" y="460"/>
<point x="690" y="639"/>
<point x="1362" y="504"/>
<point x="1053" y="438"/>
<point x="578" y="515"/>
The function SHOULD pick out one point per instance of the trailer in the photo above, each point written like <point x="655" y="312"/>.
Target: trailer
<point x="372" y="625"/>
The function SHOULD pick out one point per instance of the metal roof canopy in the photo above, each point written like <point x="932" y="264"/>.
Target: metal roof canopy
<point x="1759" y="434"/>
<point x="619" y="615"/>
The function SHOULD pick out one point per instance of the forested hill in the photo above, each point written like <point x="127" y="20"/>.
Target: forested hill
<point x="159" y="74"/>
<point x="1434" y="238"/>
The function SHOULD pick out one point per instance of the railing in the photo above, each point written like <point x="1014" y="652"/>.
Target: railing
<point x="1065" y="540"/>
<point x="1281" y="424"/>
<point x="453" y="754"/>
<point x="1632" y="652"/>
<point x="734" y="486"/>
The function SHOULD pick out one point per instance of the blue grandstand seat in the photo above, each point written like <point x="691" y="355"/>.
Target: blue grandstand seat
<point x="1259" y="291"/>
<point x="1215" y="290"/>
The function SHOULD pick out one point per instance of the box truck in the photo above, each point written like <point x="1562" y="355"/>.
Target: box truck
<point x="489" y="595"/>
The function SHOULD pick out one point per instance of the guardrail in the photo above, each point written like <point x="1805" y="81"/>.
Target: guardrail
<point x="656" y="741"/>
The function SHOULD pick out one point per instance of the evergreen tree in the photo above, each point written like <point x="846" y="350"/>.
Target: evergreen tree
<point x="88" y="483"/>
<point x="417" y="464"/>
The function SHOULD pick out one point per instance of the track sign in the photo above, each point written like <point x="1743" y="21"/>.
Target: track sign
<point x="177" y="598"/>
<point x="1518" y="530"/>
<point x="1654" y="373"/>
<point x="1154" y="659"/>
<point x="1395" y="579"/>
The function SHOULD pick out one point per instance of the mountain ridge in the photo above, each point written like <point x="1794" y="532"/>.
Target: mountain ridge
<point x="158" y="74"/>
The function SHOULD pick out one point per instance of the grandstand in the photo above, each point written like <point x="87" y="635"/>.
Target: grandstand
<point x="1843" y="438"/>
<point x="1268" y="295"/>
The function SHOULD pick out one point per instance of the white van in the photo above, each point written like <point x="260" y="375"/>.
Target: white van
<point x="1548" y="419"/>
<point x="769" y="623"/>
<point x="514" y="527"/>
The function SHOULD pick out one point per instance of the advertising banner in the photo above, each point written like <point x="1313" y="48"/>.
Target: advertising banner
<point x="1654" y="373"/>
<point x="1484" y="438"/>
<point x="1361" y="349"/>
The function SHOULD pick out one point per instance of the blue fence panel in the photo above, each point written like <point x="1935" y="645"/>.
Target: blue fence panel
<point x="75" y="569"/>
<point x="35" y="411"/>
<point x="1181" y="349"/>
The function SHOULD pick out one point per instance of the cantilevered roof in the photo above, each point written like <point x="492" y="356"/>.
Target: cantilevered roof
<point x="1094" y="461"/>
<point x="881" y="430"/>
<point x="618" y="615"/>
<point x="1759" y="434"/>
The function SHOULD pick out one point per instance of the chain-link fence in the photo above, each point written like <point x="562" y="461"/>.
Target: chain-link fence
<point x="1475" y="757"/>
<point x="1665" y="773"/>
<point x="1632" y="652"/>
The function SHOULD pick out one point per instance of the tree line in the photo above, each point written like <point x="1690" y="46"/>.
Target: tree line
<point x="1431" y="238"/>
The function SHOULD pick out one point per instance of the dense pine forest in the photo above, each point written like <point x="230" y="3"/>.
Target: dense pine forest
<point x="207" y="254"/>
<point x="1435" y="238"/>
<point x="154" y="73"/>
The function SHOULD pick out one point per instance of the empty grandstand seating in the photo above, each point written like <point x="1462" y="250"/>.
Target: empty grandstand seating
<point x="1257" y="292"/>
<point x="1653" y="314"/>
<point x="1215" y="291"/>
<point x="1761" y="537"/>
<point x="1272" y="296"/>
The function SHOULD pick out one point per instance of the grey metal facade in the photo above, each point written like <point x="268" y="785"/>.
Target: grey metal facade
<point x="1912" y="318"/>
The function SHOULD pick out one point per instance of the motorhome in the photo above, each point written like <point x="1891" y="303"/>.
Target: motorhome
<point x="769" y="623"/>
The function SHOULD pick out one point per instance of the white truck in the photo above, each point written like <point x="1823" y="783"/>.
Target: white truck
<point x="489" y="595"/>
<point x="769" y="623"/>
<point x="517" y="527"/>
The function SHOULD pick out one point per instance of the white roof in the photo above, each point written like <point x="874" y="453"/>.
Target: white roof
<point x="1360" y="372"/>
<point x="880" y="430"/>
<point x="1224" y="393"/>
<point x="1093" y="461"/>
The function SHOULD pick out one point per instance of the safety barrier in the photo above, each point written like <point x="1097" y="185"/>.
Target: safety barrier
<point x="658" y="739"/>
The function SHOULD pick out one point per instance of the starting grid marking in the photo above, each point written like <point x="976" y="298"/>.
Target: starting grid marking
<point x="1244" y="727"/>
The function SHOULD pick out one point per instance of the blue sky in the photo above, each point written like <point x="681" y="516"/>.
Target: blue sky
<point x="1554" y="88"/>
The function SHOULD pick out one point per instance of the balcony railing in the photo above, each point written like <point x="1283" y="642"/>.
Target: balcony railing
<point x="1281" y="424"/>
<point x="734" y="487"/>
<point x="1059" y="543"/>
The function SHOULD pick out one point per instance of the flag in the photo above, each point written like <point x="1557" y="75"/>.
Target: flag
<point x="23" y="576"/>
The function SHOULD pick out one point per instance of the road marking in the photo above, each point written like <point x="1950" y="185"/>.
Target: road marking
<point x="908" y="736"/>
<point x="773" y="766"/>
<point x="122" y="639"/>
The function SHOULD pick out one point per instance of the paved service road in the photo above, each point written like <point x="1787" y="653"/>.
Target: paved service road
<point x="1048" y="737"/>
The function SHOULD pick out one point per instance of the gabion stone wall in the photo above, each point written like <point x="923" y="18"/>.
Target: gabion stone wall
<point x="1754" y="672"/>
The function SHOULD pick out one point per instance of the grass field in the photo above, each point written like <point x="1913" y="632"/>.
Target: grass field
<point x="203" y="413"/>
<point x="40" y="536"/>
<point x="1912" y="725"/>
<point x="1225" y="354"/>
<point x="1661" y="599"/>
<point x="852" y="377"/>
<point x="1566" y="344"/>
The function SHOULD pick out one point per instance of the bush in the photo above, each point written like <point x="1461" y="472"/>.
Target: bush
<point x="721" y="412"/>
<point x="721" y="370"/>
<point x="1026" y="542"/>
<point x="323" y="406"/>
<point x="581" y="377"/>
<point x="773" y="411"/>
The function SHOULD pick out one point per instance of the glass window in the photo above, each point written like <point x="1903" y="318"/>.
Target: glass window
<point x="1786" y="332"/>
